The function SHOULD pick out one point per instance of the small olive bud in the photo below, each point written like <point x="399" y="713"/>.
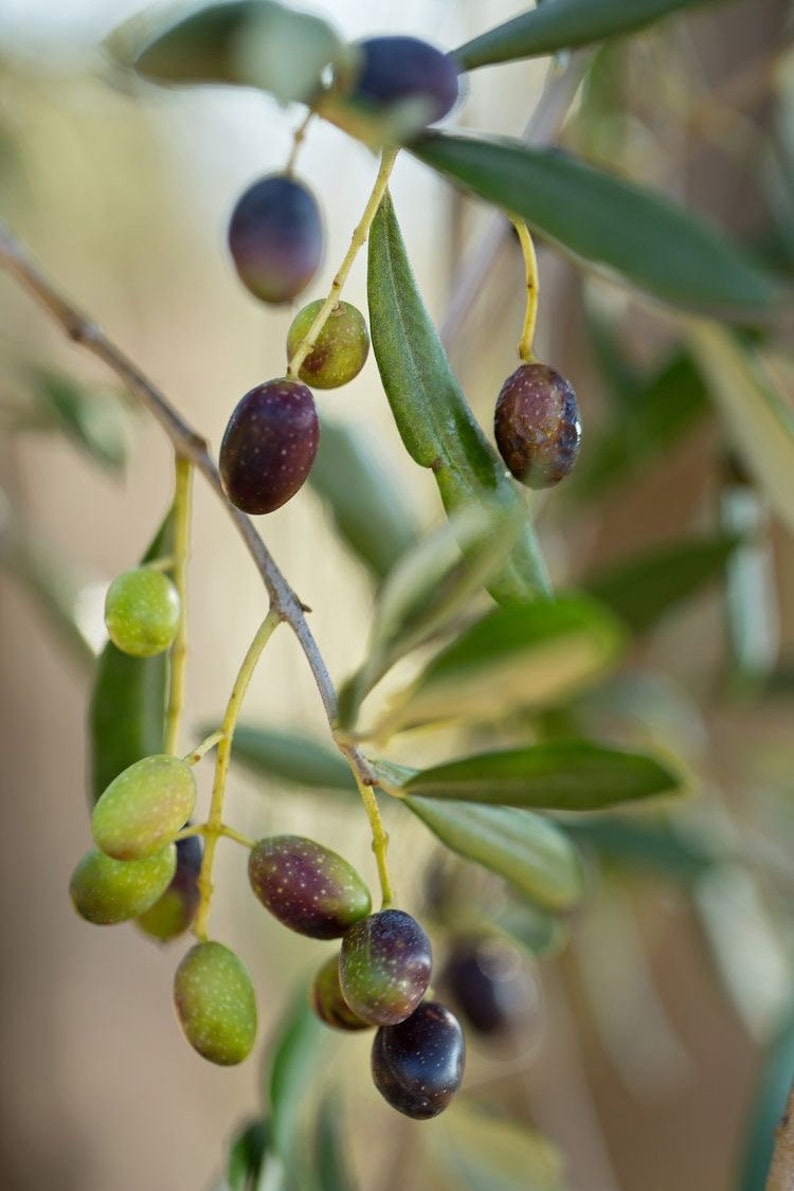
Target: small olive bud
<point x="385" y="966"/>
<point x="105" y="891"/>
<point x="307" y="887"/>
<point x="215" y="1003"/>
<point x="537" y="426"/>
<point x="144" y="807"/>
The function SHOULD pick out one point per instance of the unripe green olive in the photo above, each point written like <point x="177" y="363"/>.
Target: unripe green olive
<point x="142" y="612"/>
<point x="341" y="349"/>
<point x="327" y="1001"/>
<point x="215" y="1003"/>
<point x="172" y="914"/>
<point x="105" y="891"/>
<point x="309" y="888"/>
<point x="144" y="807"/>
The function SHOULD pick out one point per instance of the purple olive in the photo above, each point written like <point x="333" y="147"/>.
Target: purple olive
<point x="492" y="985"/>
<point x="307" y="887"/>
<point x="327" y="1001"/>
<point x="537" y="425"/>
<point x="276" y="238"/>
<point x="401" y="70"/>
<point x="417" y="1065"/>
<point x="269" y="445"/>
<point x="385" y="966"/>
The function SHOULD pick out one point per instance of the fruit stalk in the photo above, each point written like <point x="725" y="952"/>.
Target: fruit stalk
<point x="357" y="242"/>
<point x="183" y="493"/>
<point x="525" y="352"/>
<point x="380" y="837"/>
<point x="214" y="828"/>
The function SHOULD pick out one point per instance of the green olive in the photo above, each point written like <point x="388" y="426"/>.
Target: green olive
<point x="142" y="612"/>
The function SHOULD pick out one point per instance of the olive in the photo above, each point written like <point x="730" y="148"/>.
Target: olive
<point x="537" y="426"/>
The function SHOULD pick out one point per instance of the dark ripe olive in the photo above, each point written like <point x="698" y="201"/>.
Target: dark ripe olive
<point x="310" y="889"/>
<point x="173" y="913"/>
<point x="341" y="349"/>
<point x="417" y="1065"/>
<point x="537" y="425"/>
<point x="385" y="966"/>
<point x="276" y="238"/>
<point x="398" y="70"/>
<point x="269" y="445"/>
<point x="492" y="984"/>
<point x="328" y="1003"/>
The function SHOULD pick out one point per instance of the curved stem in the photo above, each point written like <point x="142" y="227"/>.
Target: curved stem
<point x="214" y="827"/>
<point x="525" y="352"/>
<point x="357" y="242"/>
<point x="366" y="782"/>
<point x="182" y="510"/>
<point x="298" y="138"/>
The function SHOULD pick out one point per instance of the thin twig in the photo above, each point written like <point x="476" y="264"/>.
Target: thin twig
<point x="542" y="128"/>
<point x="189" y="444"/>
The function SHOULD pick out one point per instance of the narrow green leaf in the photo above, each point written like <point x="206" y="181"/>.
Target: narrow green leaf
<point x="298" y="1054"/>
<point x="126" y="716"/>
<point x="246" y="1156"/>
<point x="654" y="414"/>
<point x="643" y="589"/>
<point x="645" y="846"/>
<point x="332" y="1171"/>
<point x="561" y="775"/>
<point x="491" y="1153"/>
<point x="529" y="851"/>
<point x="526" y="656"/>
<point x="95" y="422"/>
<point x="562" y="25"/>
<point x="366" y="501"/>
<point x="773" y="1090"/>
<point x="760" y="425"/>
<point x="289" y="757"/>
<point x="607" y="221"/>
<point x="430" y="410"/>
<point x="254" y="43"/>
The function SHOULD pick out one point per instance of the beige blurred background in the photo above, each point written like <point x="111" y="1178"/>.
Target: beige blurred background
<point x="124" y="203"/>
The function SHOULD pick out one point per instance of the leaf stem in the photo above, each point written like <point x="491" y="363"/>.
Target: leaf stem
<point x="215" y="827"/>
<point x="525" y="352"/>
<point x="183" y="493"/>
<point x="357" y="242"/>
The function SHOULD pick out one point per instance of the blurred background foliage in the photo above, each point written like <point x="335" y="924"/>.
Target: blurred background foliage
<point x="660" y="1047"/>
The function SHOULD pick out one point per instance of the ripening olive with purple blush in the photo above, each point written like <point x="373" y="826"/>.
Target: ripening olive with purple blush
<point x="307" y="887"/>
<point x="417" y="1065"/>
<point x="173" y="913"/>
<point x="537" y="426"/>
<point x="341" y="349"/>
<point x="327" y="1001"/>
<point x="276" y="238"/>
<point x="398" y="70"/>
<point x="385" y="966"/>
<point x="269" y="445"/>
<point x="493" y="986"/>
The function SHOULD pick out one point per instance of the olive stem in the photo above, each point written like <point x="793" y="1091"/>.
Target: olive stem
<point x="298" y="138"/>
<point x="380" y="838"/>
<point x="183" y="493"/>
<point x="357" y="242"/>
<point x="214" y="827"/>
<point x="525" y="352"/>
<point x="209" y="742"/>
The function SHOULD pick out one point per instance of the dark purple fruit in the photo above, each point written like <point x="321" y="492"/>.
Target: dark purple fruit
<point x="492" y="985"/>
<point x="173" y="913"/>
<point x="307" y="887"/>
<point x="269" y="445"/>
<point x="417" y="1065"/>
<point x="385" y="966"/>
<point x="276" y="238"/>
<point x="402" y="70"/>
<point x="325" y="997"/>
<point x="537" y="425"/>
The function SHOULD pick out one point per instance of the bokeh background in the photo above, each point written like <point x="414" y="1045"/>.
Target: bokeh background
<point x="660" y="1014"/>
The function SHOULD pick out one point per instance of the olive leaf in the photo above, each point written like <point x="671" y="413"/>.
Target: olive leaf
<point x="563" y="25"/>
<point x="608" y="222"/>
<point x="430" y="410"/>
